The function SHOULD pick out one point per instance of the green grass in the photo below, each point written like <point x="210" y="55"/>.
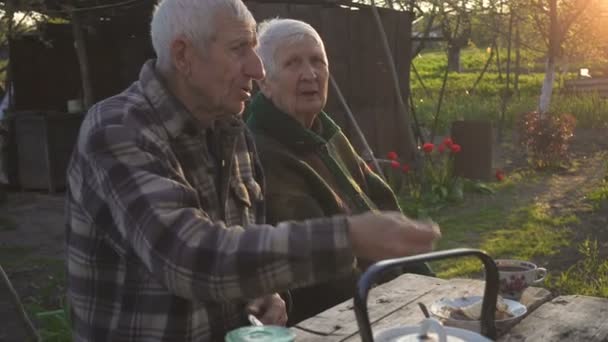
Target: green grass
<point x="7" y="224"/>
<point x="599" y="195"/>
<point x="12" y="257"/>
<point x="485" y="102"/>
<point x="589" y="110"/>
<point x="47" y="276"/>
<point x="473" y="59"/>
<point x="47" y="306"/>
<point x="523" y="233"/>
<point x="588" y="277"/>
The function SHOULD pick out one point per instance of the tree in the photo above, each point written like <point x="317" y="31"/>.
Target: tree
<point x="14" y="23"/>
<point x="456" y="28"/>
<point x="556" y="20"/>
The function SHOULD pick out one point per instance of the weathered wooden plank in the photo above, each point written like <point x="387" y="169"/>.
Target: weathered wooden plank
<point x="410" y="314"/>
<point x="403" y="57"/>
<point x="587" y="86"/>
<point x="396" y="303"/>
<point x="339" y="322"/>
<point x="307" y="13"/>
<point x="336" y="36"/>
<point x="586" y="82"/>
<point x="262" y="11"/>
<point x="306" y="336"/>
<point x="388" y="132"/>
<point x="566" y="318"/>
<point x="361" y="81"/>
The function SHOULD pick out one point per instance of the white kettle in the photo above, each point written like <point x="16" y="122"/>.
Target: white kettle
<point x="430" y="329"/>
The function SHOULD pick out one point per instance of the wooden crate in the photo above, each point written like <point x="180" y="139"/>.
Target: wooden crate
<point x="45" y="141"/>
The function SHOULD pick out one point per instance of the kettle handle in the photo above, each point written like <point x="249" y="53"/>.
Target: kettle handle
<point x="368" y="278"/>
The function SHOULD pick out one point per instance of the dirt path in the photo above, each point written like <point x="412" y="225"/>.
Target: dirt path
<point x="563" y="192"/>
<point x="31" y="252"/>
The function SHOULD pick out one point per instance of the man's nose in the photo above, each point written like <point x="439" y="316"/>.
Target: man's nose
<point x="254" y="68"/>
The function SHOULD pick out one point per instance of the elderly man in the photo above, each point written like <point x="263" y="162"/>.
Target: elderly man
<point x="165" y="208"/>
<point x="312" y="170"/>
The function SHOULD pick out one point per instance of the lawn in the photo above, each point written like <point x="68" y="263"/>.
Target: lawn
<point x="485" y="101"/>
<point x="547" y="216"/>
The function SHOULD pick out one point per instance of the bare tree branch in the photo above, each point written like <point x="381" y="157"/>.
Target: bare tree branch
<point x="572" y="18"/>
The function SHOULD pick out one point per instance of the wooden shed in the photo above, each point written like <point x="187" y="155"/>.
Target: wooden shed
<point x="114" y="42"/>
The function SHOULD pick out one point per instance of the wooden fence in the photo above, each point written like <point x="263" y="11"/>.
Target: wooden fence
<point x="360" y="67"/>
<point x="587" y="86"/>
<point x="117" y="48"/>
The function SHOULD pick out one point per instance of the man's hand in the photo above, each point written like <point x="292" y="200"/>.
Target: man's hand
<point x="384" y="235"/>
<point x="269" y="309"/>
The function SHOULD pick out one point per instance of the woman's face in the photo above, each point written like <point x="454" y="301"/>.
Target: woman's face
<point x="298" y="83"/>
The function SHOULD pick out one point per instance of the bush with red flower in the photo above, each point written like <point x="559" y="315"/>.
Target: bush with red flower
<point x="500" y="175"/>
<point x="433" y="181"/>
<point x="396" y="172"/>
<point x="546" y="137"/>
<point x="437" y="179"/>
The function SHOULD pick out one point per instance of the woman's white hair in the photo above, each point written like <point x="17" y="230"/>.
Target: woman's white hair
<point x="274" y="32"/>
<point x="193" y="19"/>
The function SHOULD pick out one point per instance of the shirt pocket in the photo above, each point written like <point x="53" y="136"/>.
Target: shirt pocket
<point x="247" y="191"/>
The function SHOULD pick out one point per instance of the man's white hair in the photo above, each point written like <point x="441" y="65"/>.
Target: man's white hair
<point x="274" y="32"/>
<point x="193" y="19"/>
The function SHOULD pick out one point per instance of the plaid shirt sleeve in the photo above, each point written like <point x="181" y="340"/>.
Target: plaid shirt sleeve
<point x="158" y="216"/>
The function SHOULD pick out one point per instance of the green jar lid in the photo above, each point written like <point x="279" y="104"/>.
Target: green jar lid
<point x="261" y="334"/>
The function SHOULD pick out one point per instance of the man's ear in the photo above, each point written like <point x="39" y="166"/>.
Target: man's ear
<point x="181" y="55"/>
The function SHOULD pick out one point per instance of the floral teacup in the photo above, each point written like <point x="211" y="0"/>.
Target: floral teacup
<point x="515" y="275"/>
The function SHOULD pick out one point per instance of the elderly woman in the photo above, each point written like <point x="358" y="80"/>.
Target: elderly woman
<point x="311" y="168"/>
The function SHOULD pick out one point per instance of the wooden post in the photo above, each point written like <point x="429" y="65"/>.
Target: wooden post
<point x="83" y="60"/>
<point x="8" y="82"/>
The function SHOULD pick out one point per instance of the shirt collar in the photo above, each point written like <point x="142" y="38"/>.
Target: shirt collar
<point x="265" y="116"/>
<point x="172" y="113"/>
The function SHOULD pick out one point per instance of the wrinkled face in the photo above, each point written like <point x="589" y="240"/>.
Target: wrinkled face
<point x="298" y="84"/>
<point x="220" y="78"/>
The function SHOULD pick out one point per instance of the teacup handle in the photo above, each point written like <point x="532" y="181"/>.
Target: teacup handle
<point x="541" y="273"/>
<point x="433" y="324"/>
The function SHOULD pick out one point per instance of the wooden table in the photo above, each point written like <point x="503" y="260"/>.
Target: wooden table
<point x="573" y="318"/>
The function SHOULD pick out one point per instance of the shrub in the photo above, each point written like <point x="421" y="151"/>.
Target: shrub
<point x="546" y="137"/>
<point x="430" y="184"/>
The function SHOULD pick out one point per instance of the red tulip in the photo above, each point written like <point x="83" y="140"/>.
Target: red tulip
<point x="428" y="147"/>
<point x="448" y="142"/>
<point x="395" y="164"/>
<point x="455" y="148"/>
<point x="500" y="175"/>
<point x="441" y="148"/>
<point x="392" y="155"/>
<point x="405" y="168"/>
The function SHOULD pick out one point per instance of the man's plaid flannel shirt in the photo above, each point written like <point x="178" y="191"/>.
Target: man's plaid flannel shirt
<point x="165" y="239"/>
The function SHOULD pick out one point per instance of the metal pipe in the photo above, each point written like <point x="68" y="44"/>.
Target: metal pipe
<point x="368" y="149"/>
<point x="391" y="63"/>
